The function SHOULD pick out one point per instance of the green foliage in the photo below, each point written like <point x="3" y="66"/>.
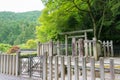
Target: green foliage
<point x="28" y="55"/>
<point x="17" y="28"/>
<point x="31" y="44"/>
<point x="23" y="46"/>
<point x="4" y="47"/>
<point x="70" y="15"/>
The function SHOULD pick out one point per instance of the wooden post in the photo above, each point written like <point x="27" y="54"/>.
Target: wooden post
<point x="108" y="49"/>
<point x="90" y="48"/>
<point x="13" y="66"/>
<point x="51" y="48"/>
<point x="112" y="73"/>
<point x="81" y="47"/>
<point x="18" y="63"/>
<point x="92" y="61"/>
<point x="45" y="67"/>
<point x="69" y="68"/>
<point x="111" y="43"/>
<point x="86" y="47"/>
<point x="62" y="69"/>
<point x="74" y="53"/>
<point x="85" y="33"/>
<point x="38" y="49"/>
<point x="1" y="63"/>
<point x="84" y="71"/>
<point x="56" y="68"/>
<point x="66" y="45"/>
<point x="102" y="73"/>
<point x="58" y="48"/>
<point x="50" y="68"/>
<point x="4" y="64"/>
<point x="104" y="49"/>
<point x="76" y="68"/>
<point x="7" y="66"/>
<point x="95" y="49"/>
<point x="10" y="65"/>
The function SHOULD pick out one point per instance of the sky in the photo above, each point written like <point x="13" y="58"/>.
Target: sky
<point x="20" y="5"/>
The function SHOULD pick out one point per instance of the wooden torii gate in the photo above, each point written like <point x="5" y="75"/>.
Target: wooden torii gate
<point x="84" y="32"/>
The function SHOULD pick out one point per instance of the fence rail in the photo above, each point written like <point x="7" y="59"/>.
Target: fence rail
<point x="75" y="68"/>
<point x="78" y="47"/>
<point x="9" y="64"/>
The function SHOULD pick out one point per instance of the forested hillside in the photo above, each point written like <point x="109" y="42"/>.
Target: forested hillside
<point x="17" y="28"/>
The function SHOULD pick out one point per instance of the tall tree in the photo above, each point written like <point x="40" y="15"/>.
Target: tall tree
<point x="66" y="15"/>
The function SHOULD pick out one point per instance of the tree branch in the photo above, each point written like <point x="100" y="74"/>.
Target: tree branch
<point x="101" y="26"/>
<point x="92" y="17"/>
<point x="78" y="7"/>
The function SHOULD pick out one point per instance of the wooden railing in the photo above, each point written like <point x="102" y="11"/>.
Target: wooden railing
<point x="76" y="68"/>
<point x="9" y="64"/>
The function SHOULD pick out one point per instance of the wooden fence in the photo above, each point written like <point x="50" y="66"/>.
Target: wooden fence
<point x="9" y="64"/>
<point x="75" y="68"/>
<point x="80" y="47"/>
<point x="107" y="48"/>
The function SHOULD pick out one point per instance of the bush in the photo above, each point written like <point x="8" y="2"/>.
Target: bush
<point x="28" y="55"/>
<point x="4" y="47"/>
<point x="31" y="44"/>
<point x="13" y="49"/>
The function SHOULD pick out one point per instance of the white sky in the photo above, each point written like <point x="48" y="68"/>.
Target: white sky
<point x="20" y="5"/>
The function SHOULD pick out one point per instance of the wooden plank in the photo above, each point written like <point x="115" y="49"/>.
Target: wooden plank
<point x="17" y="63"/>
<point x="62" y="69"/>
<point x="90" y="48"/>
<point x="84" y="71"/>
<point x="45" y="67"/>
<point x="104" y="49"/>
<point x="111" y="43"/>
<point x="81" y="36"/>
<point x="69" y="68"/>
<point x="66" y="45"/>
<point x="74" y="53"/>
<point x="4" y="64"/>
<point x="0" y="63"/>
<point x="85" y="33"/>
<point x="102" y="73"/>
<point x="112" y="73"/>
<point x="95" y="49"/>
<point x="10" y="65"/>
<point x="81" y="47"/>
<point x="76" y="68"/>
<point x="50" y="67"/>
<point x="7" y="66"/>
<point x="13" y="66"/>
<point x="51" y="48"/>
<point x="73" y="32"/>
<point x="92" y="61"/>
<point x="38" y="49"/>
<point x="86" y="48"/>
<point x="108" y="49"/>
<point x="58" y="47"/>
<point x="56" y="68"/>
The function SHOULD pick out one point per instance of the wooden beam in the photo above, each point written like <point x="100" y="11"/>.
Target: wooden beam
<point x="76" y="36"/>
<point x="74" y="32"/>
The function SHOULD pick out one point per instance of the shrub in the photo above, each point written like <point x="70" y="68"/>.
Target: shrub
<point x="28" y="55"/>
<point x="13" y="49"/>
<point x="4" y="47"/>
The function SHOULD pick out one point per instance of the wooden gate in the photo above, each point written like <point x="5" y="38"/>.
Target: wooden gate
<point x="32" y="67"/>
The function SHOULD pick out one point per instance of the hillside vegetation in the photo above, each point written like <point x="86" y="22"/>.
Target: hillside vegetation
<point x="17" y="28"/>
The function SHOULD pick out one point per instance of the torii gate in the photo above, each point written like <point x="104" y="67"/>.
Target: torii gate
<point x="74" y="37"/>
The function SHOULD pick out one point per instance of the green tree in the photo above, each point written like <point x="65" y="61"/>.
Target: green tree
<point x="101" y="15"/>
